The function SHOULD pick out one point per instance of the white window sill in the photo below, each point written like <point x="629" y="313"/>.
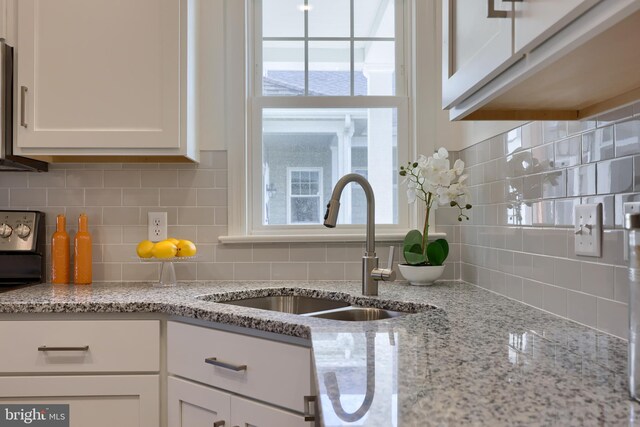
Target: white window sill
<point x="319" y="238"/>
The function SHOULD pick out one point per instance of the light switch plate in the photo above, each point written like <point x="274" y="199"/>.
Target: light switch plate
<point x="588" y="230"/>
<point x="629" y="207"/>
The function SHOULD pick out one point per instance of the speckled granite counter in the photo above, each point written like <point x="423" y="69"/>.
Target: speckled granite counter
<point x="477" y="359"/>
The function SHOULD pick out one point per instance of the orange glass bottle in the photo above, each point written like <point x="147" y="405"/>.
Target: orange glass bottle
<point x="82" y="253"/>
<point x="60" y="253"/>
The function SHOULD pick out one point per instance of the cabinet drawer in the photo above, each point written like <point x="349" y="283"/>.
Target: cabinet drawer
<point x="274" y="372"/>
<point x="80" y="346"/>
<point x="94" y="400"/>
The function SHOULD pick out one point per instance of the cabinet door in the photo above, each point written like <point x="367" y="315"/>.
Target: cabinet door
<point x="536" y="21"/>
<point x="195" y="405"/>
<point x="96" y="401"/>
<point x="247" y="413"/>
<point x="98" y="74"/>
<point x="475" y="48"/>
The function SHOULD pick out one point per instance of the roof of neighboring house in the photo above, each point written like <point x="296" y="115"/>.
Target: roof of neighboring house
<point x="321" y="83"/>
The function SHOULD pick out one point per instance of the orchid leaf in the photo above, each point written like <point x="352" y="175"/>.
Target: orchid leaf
<point x="437" y="252"/>
<point x="412" y="248"/>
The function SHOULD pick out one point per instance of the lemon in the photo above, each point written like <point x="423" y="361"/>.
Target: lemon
<point x="173" y="240"/>
<point x="186" y="248"/>
<point x="164" y="249"/>
<point x="144" y="249"/>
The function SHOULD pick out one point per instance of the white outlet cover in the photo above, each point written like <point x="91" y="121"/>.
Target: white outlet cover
<point x="157" y="226"/>
<point x="588" y="230"/>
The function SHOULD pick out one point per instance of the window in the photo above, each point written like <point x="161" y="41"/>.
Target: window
<point x="328" y="98"/>
<point x="327" y="95"/>
<point x="304" y="198"/>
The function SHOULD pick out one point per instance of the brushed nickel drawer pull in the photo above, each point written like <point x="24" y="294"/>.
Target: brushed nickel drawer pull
<point x="215" y="362"/>
<point x="23" y="107"/>
<point x="309" y="413"/>
<point x="45" y="348"/>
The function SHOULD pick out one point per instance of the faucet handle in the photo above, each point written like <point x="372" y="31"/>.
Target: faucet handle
<point x="386" y="274"/>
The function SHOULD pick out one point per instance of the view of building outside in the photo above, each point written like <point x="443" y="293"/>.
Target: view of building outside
<point x="310" y="50"/>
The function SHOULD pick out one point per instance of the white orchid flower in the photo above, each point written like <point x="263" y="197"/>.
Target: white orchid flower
<point x="441" y="154"/>
<point x="458" y="167"/>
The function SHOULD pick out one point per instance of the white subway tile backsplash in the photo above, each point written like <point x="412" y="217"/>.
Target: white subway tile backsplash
<point x="14" y="180"/>
<point x="142" y="197"/>
<point x="84" y="178"/>
<point x="613" y="317"/>
<point x="308" y="252"/>
<point x="327" y="270"/>
<point x="269" y="252"/>
<point x="567" y="273"/>
<point x="212" y="197"/>
<point x="568" y="152"/>
<point x="159" y="178"/>
<point x="555" y="300"/>
<point x="103" y="197"/>
<point x="234" y="253"/>
<point x="52" y="179"/>
<point x="122" y="178"/>
<point x="621" y="284"/>
<point x="532" y="293"/>
<point x="32" y="198"/>
<point x="252" y="271"/>
<point x="598" y="280"/>
<point x="121" y="216"/>
<point x="615" y="176"/>
<point x="533" y="233"/>
<point x="597" y="145"/>
<point x="64" y="197"/>
<point x="582" y="308"/>
<point x="215" y="271"/>
<point x="290" y="271"/>
<point x="147" y="272"/>
<point x="198" y="178"/>
<point x="627" y="138"/>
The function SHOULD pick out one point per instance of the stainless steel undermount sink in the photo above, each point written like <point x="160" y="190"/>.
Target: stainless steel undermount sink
<point x="294" y="304"/>
<point x="359" y="314"/>
<point x="322" y="308"/>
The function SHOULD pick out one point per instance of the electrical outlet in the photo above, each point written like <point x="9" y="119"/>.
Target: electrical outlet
<point x="157" y="226"/>
<point x="588" y="231"/>
<point x="629" y="207"/>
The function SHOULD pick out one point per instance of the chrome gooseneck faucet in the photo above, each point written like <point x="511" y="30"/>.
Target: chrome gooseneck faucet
<point x="370" y="271"/>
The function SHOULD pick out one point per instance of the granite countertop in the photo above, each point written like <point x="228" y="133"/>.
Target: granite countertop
<point x="467" y="357"/>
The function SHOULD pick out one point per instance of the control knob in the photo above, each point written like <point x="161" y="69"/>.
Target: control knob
<point x="23" y="231"/>
<point x="5" y="230"/>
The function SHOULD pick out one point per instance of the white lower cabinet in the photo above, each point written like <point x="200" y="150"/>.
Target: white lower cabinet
<point x="243" y="381"/>
<point x="196" y="405"/>
<point x="107" y="371"/>
<point x="96" y="401"/>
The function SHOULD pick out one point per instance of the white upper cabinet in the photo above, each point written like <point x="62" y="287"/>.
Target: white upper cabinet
<point x="539" y="60"/>
<point x="101" y="77"/>
<point x="477" y="45"/>
<point x="535" y="21"/>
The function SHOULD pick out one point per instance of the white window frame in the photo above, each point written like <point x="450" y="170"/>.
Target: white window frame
<point x="420" y="108"/>
<point x="320" y="195"/>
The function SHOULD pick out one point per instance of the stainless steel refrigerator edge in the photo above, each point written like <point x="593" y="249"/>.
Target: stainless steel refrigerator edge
<point x="9" y="161"/>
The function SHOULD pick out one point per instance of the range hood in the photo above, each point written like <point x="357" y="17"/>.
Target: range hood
<point x="8" y="161"/>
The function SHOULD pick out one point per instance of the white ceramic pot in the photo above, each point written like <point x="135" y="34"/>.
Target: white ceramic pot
<point x="421" y="275"/>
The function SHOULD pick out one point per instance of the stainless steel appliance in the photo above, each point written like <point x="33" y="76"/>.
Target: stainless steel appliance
<point x="22" y="248"/>
<point x="9" y="161"/>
